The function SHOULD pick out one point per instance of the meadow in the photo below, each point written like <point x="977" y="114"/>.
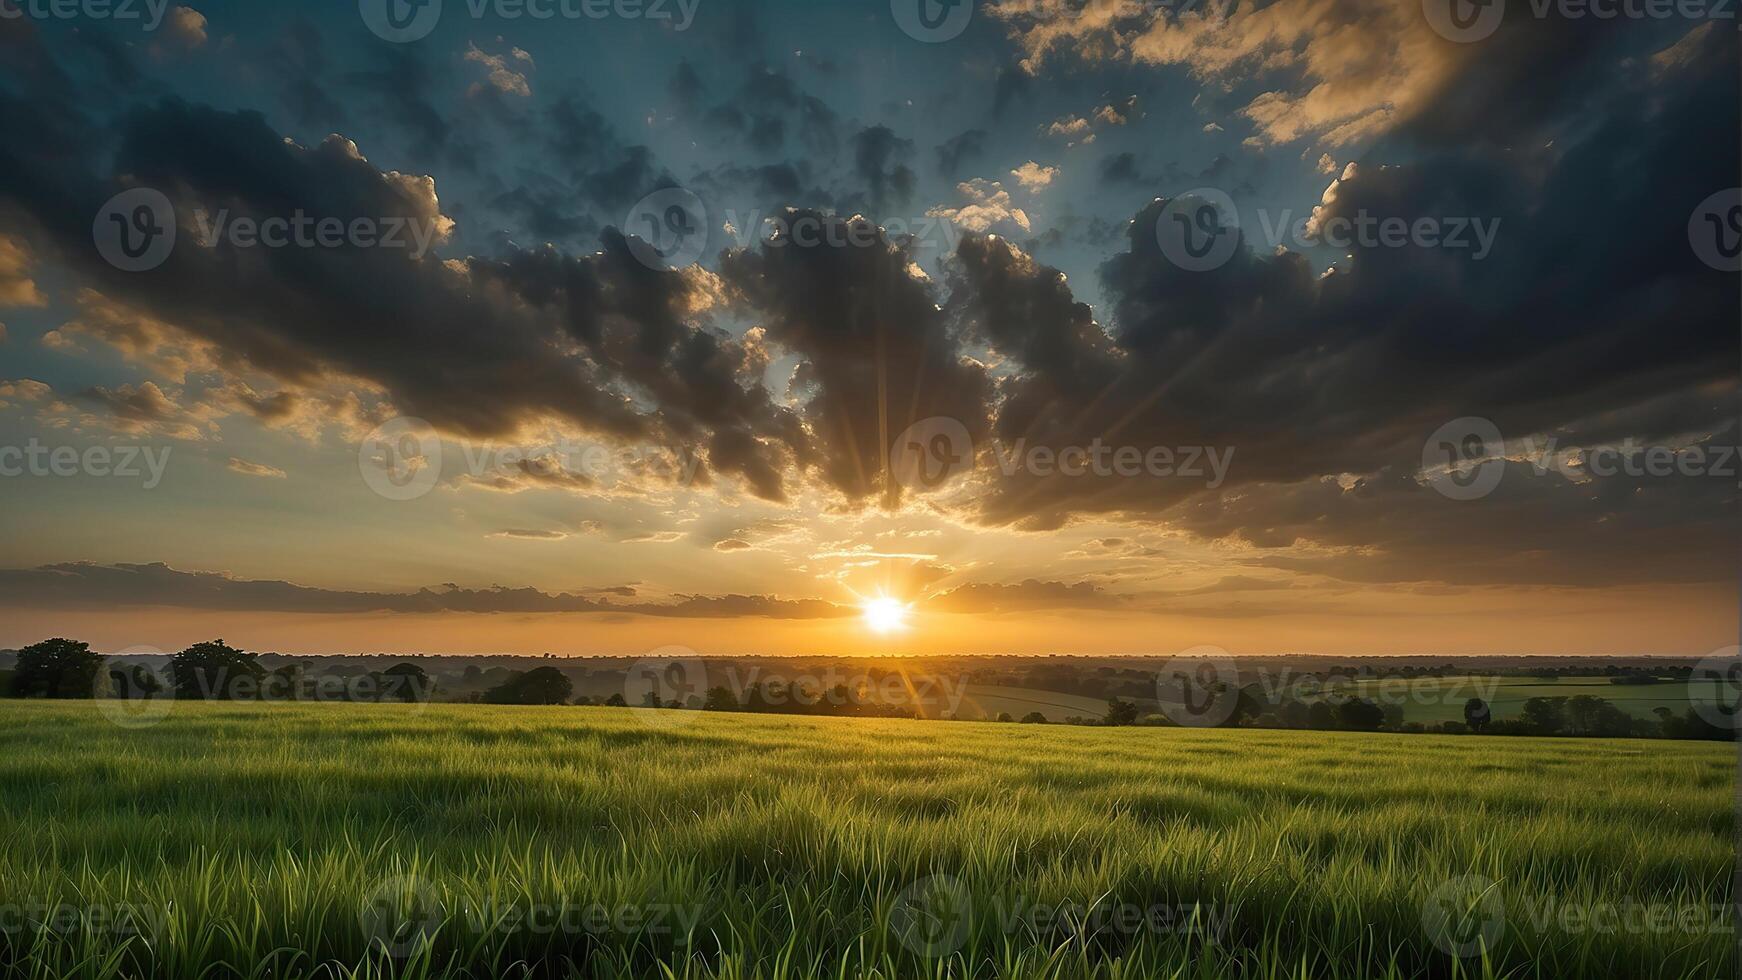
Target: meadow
<point x="412" y="840"/>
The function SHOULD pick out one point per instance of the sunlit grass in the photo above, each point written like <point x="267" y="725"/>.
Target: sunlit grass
<point x="259" y="837"/>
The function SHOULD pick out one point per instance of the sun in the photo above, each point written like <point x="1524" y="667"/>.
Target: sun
<point x="884" y="615"/>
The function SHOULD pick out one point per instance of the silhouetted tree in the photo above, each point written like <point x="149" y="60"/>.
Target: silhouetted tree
<point x="1691" y="725"/>
<point x="1477" y="714"/>
<point x="1360" y="714"/>
<point x="1120" y="712"/>
<point x="217" y="671"/>
<point x="540" y="685"/>
<point x="406" y="682"/>
<point x="1297" y="714"/>
<point x="1034" y="718"/>
<point x="720" y="699"/>
<point x="57" y="668"/>
<point x="1545" y="716"/>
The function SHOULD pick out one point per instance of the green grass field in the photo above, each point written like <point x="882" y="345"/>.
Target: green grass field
<point x="353" y="840"/>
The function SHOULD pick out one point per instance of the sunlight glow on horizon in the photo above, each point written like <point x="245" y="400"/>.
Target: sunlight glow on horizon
<point x="884" y="614"/>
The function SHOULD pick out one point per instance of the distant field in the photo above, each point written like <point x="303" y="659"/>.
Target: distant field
<point x="274" y="840"/>
<point x="1436" y="699"/>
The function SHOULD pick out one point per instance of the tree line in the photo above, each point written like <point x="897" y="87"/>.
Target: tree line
<point x="1582" y="715"/>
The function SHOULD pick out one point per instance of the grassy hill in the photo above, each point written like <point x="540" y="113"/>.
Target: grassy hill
<point x="363" y="840"/>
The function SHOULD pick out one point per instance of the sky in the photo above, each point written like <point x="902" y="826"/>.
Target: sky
<point x="1091" y="327"/>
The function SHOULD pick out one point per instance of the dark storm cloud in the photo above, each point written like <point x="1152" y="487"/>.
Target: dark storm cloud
<point x="965" y="146"/>
<point x="601" y="168"/>
<point x="1535" y="528"/>
<point x="879" y="161"/>
<point x="1562" y="326"/>
<point x="776" y="185"/>
<point x="633" y="322"/>
<point x="1120" y="168"/>
<point x="476" y="347"/>
<point x="463" y="359"/>
<point x="765" y="108"/>
<point x="876" y="353"/>
<point x="298" y="57"/>
<point x="551" y="215"/>
<point x="398" y="85"/>
<point x="88" y="584"/>
<point x="1013" y="83"/>
<point x="1590" y="320"/>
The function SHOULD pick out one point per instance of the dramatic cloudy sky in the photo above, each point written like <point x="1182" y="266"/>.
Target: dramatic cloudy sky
<point x="526" y="432"/>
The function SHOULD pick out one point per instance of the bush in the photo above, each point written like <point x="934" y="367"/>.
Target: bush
<point x="1034" y="718"/>
<point x="57" y="668"/>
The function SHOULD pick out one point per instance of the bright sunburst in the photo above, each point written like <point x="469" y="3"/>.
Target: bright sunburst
<point x="884" y="615"/>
